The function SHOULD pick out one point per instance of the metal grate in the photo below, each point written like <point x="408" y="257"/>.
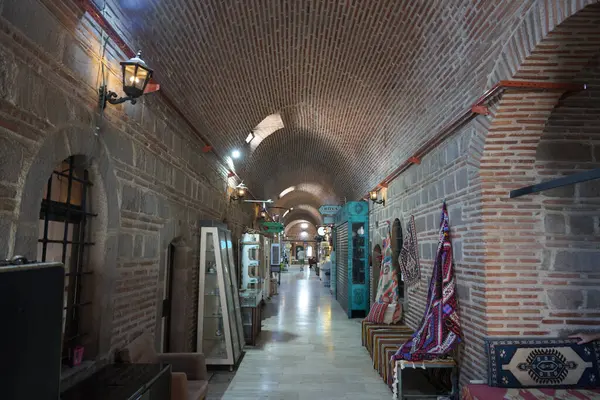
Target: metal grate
<point x="342" y="265"/>
<point x="63" y="237"/>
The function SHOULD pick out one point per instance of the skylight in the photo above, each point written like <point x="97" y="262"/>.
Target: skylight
<point x="286" y="191"/>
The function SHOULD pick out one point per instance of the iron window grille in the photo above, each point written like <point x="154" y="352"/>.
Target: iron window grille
<point x="63" y="229"/>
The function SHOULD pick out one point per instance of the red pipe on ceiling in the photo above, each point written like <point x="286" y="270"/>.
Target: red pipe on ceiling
<point x="470" y="114"/>
<point x="96" y="14"/>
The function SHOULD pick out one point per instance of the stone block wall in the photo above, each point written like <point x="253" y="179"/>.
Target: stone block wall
<point x="149" y="166"/>
<point x="570" y="143"/>
<point x="449" y="172"/>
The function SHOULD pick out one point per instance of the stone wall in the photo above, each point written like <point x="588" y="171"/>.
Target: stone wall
<point x="570" y="143"/>
<point x="447" y="173"/>
<point x="146" y="162"/>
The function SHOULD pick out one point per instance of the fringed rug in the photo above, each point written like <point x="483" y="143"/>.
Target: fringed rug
<point x="439" y="331"/>
<point x="556" y="363"/>
<point x="409" y="256"/>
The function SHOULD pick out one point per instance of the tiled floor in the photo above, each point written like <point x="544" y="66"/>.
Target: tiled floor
<point x="308" y="350"/>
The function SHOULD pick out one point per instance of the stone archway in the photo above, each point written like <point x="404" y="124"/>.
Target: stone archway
<point x="510" y="239"/>
<point x="77" y="140"/>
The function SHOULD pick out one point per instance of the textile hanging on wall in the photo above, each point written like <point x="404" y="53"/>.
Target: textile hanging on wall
<point x="387" y="287"/>
<point x="439" y="331"/>
<point x="409" y="256"/>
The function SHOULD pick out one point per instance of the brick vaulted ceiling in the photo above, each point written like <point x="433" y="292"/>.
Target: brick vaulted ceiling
<point x="359" y="83"/>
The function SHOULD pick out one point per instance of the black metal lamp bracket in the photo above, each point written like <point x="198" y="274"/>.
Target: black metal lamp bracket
<point x="107" y="96"/>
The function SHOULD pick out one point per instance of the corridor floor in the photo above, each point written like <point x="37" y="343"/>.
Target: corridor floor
<point x="308" y="349"/>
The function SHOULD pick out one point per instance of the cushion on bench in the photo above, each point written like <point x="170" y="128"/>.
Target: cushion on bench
<point x="369" y="329"/>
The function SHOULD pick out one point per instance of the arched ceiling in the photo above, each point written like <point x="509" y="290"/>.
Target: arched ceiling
<point x="294" y="229"/>
<point x="292" y="224"/>
<point x="302" y="214"/>
<point x="358" y="84"/>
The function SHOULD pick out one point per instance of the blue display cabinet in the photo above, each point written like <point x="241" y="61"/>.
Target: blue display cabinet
<point x="352" y="258"/>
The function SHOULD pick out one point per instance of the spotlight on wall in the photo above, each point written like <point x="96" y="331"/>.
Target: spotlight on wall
<point x="304" y="225"/>
<point x="303" y="234"/>
<point x="136" y="75"/>
<point x="236" y="154"/>
<point x="373" y="195"/>
<point x="239" y="192"/>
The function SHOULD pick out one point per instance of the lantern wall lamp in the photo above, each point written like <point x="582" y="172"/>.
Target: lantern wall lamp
<point x="373" y="195"/>
<point x="136" y="75"/>
<point x="239" y="192"/>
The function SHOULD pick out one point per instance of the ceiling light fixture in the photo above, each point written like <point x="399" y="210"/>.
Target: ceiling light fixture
<point x="249" y="137"/>
<point x="136" y="75"/>
<point x="304" y="225"/>
<point x="236" y="154"/>
<point x="239" y="192"/>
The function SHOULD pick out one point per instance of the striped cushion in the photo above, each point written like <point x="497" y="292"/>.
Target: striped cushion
<point x="377" y="312"/>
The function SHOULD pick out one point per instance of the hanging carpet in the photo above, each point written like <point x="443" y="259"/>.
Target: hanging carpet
<point x="387" y="289"/>
<point x="439" y="331"/>
<point x="409" y="256"/>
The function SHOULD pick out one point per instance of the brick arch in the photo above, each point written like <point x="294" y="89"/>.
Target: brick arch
<point x="297" y="198"/>
<point x="542" y="20"/>
<point x="61" y="143"/>
<point x="294" y="226"/>
<point x="287" y="149"/>
<point x="512" y="240"/>
<point x="302" y="214"/>
<point x="312" y="194"/>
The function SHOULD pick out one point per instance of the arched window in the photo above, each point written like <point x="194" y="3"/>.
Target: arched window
<point x="396" y="238"/>
<point x="63" y="237"/>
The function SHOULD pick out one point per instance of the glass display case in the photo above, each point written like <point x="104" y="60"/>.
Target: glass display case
<point x="220" y="335"/>
<point x="351" y="254"/>
<point x="252" y="270"/>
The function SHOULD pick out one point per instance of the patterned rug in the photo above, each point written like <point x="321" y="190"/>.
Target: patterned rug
<point x="387" y="287"/>
<point x="556" y="363"/>
<point x="439" y="331"/>
<point x="409" y="256"/>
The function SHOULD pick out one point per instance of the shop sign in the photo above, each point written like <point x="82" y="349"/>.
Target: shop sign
<point x="271" y="227"/>
<point x="329" y="209"/>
